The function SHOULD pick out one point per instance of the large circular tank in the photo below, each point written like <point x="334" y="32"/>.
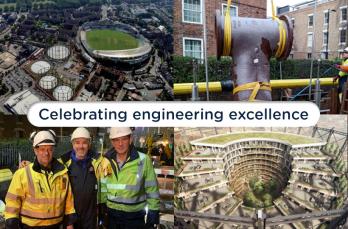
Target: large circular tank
<point x="63" y="93"/>
<point x="58" y="52"/>
<point x="40" y="67"/>
<point x="48" y="82"/>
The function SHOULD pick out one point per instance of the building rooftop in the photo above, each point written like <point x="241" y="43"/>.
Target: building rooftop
<point x="286" y="137"/>
<point x="20" y="103"/>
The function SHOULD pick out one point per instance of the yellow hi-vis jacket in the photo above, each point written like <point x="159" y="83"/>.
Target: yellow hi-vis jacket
<point x="39" y="198"/>
<point x="343" y="73"/>
<point x="131" y="187"/>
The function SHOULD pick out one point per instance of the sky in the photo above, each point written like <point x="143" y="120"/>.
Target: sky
<point x="280" y="3"/>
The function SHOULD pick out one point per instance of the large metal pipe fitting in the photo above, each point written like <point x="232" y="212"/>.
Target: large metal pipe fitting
<point x="253" y="42"/>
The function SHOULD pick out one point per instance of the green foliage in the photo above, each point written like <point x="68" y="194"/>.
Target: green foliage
<point x="259" y="188"/>
<point x="261" y="194"/>
<point x="106" y="39"/>
<point x="267" y="199"/>
<point x="183" y="70"/>
<point x="221" y="70"/>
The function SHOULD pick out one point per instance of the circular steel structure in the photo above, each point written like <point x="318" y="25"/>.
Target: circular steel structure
<point x="58" y="52"/>
<point x="40" y="67"/>
<point x="48" y="82"/>
<point x="63" y="93"/>
<point x="129" y="56"/>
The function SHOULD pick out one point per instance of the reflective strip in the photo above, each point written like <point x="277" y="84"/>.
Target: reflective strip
<point x="40" y="215"/>
<point x="135" y="200"/>
<point x="49" y="201"/>
<point x="103" y="180"/>
<point x="30" y="181"/>
<point x="12" y="196"/>
<point x="142" y="156"/>
<point x="104" y="190"/>
<point x="150" y="183"/>
<point x="133" y="187"/>
<point x="153" y="195"/>
<point x="116" y="186"/>
<point x="12" y="210"/>
<point x="123" y="187"/>
<point x="140" y="171"/>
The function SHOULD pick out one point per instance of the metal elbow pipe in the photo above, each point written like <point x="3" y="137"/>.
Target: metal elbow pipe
<point x="253" y="42"/>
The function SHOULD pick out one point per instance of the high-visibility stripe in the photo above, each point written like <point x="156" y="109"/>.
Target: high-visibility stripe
<point x="123" y="187"/>
<point x="12" y="210"/>
<point x="30" y="181"/>
<point x="116" y="186"/>
<point x="12" y="196"/>
<point x="135" y="200"/>
<point x="153" y="195"/>
<point x="141" y="156"/>
<point x="150" y="183"/>
<point x="140" y="171"/>
<point x="103" y="190"/>
<point x="41" y="215"/>
<point x="48" y="201"/>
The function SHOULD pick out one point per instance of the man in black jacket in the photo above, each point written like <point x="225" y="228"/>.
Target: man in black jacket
<point x="82" y="164"/>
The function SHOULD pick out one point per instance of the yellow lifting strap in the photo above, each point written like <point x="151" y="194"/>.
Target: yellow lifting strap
<point x="282" y="33"/>
<point x="227" y="31"/>
<point x="255" y="86"/>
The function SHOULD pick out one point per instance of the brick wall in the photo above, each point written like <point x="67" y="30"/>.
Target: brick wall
<point x="246" y="8"/>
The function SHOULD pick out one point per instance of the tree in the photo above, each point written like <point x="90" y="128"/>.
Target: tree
<point x="259" y="187"/>
<point x="267" y="199"/>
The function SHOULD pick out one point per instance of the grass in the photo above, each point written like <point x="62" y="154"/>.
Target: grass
<point x="107" y="39"/>
<point x="292" y="139"/>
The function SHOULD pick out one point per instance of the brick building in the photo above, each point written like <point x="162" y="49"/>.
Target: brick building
<point x="328" y="28"/>
<point x="188" y="23"/>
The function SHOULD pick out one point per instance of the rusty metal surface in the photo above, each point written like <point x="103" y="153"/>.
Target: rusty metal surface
<point x="254" y="42"/>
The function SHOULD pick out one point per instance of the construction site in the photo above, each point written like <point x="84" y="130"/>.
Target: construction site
<point x="156" y="142"/>
<point x="262" y="177"/>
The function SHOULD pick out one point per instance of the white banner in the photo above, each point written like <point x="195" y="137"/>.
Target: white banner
<point x="174" y="114"/>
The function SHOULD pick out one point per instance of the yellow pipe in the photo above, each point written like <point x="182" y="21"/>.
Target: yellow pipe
<point x="186" y="88"/>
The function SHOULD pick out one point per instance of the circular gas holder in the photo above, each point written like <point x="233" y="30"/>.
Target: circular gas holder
<point x="63" y="93"/>
<point x="40" y="67"/>
<point x="48" y="82"/>
<point x="58" y="52"/>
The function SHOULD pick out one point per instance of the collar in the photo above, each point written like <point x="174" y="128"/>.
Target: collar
<point x="56" y="166"/>
<point x="85" y="160"/>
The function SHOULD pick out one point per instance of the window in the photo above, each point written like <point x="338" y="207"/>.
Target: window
<point x="310" y="20"/>
<point x="326" y="17"/>
<point x="309" y="55"/>
<point x="193" y="47"/>
<point x="233" y="10"/>
<point x="343" y="34"/>
<point x="325" y="37"/>
<point x="192" y="11"/>
<point x="309" y="40"/>
<point x="324" y="55"/>
<point x="343" y="17"/>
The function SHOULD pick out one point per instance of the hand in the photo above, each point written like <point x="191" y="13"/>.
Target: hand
<point x="103" y="216"/>
<point x="23" y="164"/>
<point x="337" y="66"/>
<point x="70" y="227"/>
<point x="152" y="218"/>
<point x="335" y="78"/>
